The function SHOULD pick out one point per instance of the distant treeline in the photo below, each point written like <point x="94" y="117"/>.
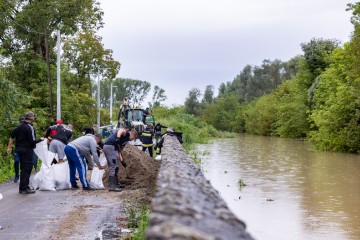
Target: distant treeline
<point x="314" y="96"/>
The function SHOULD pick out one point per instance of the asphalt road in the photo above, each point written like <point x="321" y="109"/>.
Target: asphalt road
<point x="65" y="214"/>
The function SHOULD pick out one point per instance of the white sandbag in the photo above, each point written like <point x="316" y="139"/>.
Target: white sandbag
<point x="97" y="174"/>
<point x="96" y="178"/>
<point x="62" y="175"/>
<point x="1" y="197"/>
<point x="47" y="179"/>
<point x="158" y="157"/>
<point x="35" y="182"/>
<point x="102" y="159"/>
<point x="43" y="153"/>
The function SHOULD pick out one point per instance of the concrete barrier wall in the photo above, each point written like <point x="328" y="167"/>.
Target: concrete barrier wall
<point x="186" y="206"/>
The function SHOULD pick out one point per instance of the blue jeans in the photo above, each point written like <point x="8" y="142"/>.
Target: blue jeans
<point x="35" y="159"/>
<point x="16" y="163"/>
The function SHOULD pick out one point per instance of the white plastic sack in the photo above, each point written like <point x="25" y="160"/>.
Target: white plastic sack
<point x="102" y="160"/>
<point x="97" y="174"/>
<point x="158" y="157"/>
<point x="47" y="182"/>
<point x="1" y="197"/>
<point x="45" y="179"/>
<point x="43" y="153"/>
<point x="96" y="178"/>
<point x="35" y="182"/>
<point x="62" y="175"/>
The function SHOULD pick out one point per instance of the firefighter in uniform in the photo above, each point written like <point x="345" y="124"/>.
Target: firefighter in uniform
<point x="147" y="139"/>
<point x="169" y="132"/>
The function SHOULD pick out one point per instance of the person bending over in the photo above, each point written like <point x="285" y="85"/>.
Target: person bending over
<point x="113" y="146"/>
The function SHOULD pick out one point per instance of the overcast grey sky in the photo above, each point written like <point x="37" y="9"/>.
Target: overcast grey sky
<point x="182" y="44"/>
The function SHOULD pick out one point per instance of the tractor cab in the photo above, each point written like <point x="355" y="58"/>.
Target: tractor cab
<point x="133" y="117"/>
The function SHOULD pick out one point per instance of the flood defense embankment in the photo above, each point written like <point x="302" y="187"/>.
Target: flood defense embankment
<point x="185" y="205"/>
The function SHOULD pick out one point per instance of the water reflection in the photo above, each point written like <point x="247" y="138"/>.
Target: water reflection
<point x="315" y="194"/>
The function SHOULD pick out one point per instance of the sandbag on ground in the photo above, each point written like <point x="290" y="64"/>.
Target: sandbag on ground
<point x="97" y="174"/>
<point x="62" y="175"/>
<point x="45" y="179"/>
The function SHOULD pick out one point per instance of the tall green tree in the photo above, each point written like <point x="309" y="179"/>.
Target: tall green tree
<point x="28" y="27"/>
<point x="157" y="97"/>
<point x="88" y="58"/>
<point x="316" y="54"/>
<point x="291" y="110"/>
<point x="192" y="102"/>
<point x="135" y="90"/>
<point x="208" y="96"/>
<point x="12" y="103"/>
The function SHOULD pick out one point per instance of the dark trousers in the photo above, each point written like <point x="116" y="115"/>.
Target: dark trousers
<point x="26" y="165"/>
<point x="16" y="164"/>
<point x="150" y="150"/>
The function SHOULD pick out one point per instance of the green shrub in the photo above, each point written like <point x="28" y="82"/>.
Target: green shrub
<point x="193" y="128"/>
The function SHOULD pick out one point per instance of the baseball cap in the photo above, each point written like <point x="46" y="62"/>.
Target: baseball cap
<point x="30" y="116"/>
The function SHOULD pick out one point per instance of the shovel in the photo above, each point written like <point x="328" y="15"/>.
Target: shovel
<point x="124" y="165"/>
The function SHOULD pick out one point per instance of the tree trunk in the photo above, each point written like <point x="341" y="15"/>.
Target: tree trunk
<point x="48" y="71"/>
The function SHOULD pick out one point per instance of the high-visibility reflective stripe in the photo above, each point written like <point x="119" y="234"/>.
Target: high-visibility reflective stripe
<point x="146" y="134"/>
<point x="147" y="145"/>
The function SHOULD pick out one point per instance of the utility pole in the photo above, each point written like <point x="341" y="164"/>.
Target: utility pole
<point x="111" y="102"/>
<point x="98" y="101"/>
<point x="58" y="93"/>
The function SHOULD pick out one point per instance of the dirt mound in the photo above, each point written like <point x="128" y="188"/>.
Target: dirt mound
<point x="141" y="170"/>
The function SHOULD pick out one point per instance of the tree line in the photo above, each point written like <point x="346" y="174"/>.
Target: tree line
<point x="28" y="63"/>
<point x="314" y="96"/>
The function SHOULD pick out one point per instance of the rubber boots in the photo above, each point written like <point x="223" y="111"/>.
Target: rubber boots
<point x="118" y="184"/>
<point x="112" y="184"/>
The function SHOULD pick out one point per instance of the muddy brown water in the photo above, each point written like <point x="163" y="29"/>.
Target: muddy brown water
<point x="291" y="191"/>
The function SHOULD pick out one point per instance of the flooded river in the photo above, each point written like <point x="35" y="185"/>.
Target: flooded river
<point x="291" y="192"/>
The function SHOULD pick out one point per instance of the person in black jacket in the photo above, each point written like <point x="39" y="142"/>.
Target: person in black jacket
<point x="147" y="139"/>
<point x="146" y="113"/>
<point x="169" y="132"/>
<point x="25" y="142"/>
<point x="60" y="139"/>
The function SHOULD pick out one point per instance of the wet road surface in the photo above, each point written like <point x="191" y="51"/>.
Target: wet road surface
<point x="66" y="214"/>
